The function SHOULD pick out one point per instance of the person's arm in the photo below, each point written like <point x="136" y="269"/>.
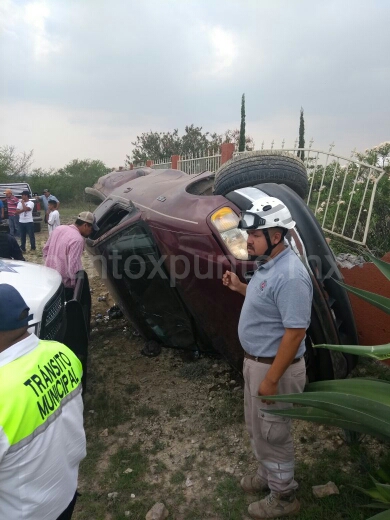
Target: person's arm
<point x="2" y="209"/>
<point x="287" y="352"/>
<point x="75" y="251"/>
<point x="232" y="281"/>
<point x="24" y="208"/>
<point x="50" y="221"/>
<point x="45" y="250"/>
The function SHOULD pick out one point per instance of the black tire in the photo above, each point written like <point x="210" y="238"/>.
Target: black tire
<point x="260" y="167"/>
<point x="37" y="227"/>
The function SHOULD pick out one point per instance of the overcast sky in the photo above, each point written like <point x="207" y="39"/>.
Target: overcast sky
<point x="82" y="78"/>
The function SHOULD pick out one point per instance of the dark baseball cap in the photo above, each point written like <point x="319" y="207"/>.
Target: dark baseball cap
<point x="25" y="192"/>
<point x="13" y="309"/>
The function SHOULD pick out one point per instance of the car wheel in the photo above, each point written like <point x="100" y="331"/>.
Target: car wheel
<point x="260" y="167"/>
<point x="37" y="227"/>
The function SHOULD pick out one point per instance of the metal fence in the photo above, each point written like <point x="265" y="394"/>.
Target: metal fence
<point x="195" y="165"/>
<point x="342" y="191"/>
<point x="164" y="164"/>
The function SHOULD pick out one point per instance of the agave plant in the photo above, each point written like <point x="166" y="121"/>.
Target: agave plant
<point x="359" y="404"/>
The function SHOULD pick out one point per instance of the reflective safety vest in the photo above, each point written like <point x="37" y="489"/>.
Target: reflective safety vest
<point x="34" y="388"/>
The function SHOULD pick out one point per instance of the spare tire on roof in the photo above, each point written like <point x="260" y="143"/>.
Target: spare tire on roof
<point x="259" y="167"/>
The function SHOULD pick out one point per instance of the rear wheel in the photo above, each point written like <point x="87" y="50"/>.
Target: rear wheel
<point x="262" y="167"/>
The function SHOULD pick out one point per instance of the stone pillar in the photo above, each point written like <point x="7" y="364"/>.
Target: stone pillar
<point x="149" y="163"/>
<point x="174" y="160"/>
<point x="227" y="150"/>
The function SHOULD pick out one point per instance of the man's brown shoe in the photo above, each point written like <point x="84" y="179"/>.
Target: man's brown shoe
<point x="274" y="505"/>
<point x="253" y="483"/>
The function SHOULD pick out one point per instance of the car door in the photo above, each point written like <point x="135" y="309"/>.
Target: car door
<point x="137" y="270"/>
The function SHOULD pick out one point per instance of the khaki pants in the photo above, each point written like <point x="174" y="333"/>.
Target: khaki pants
<point x="270" y="435"/>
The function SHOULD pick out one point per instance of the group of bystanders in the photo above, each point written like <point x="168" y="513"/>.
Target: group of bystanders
<point x="21" y="222"/>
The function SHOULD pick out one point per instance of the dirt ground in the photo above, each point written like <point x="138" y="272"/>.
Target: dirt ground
<point x="170" y="429"/>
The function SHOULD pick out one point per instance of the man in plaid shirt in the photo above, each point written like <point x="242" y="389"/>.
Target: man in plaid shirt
<point x="65" y="246"/>
<point x="13" y="219"/>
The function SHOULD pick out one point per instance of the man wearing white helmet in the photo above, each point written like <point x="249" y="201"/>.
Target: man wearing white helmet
<point x="272" y="328"/>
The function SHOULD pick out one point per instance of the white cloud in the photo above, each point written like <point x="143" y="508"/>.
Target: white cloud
<point x="58" y="135"/>
<point x="224" y="49"/>
<point x="83" y="78"/>
<point x="36" y="15"/>
<point x="219" y="52"/>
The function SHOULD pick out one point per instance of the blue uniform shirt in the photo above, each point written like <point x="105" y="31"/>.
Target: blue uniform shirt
<point x="278" y="297"/>
<point x="45" y="200"/>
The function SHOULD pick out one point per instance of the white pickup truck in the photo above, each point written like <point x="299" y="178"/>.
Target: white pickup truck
<point x="17" y="188"/>
<point x="53" y="319"/>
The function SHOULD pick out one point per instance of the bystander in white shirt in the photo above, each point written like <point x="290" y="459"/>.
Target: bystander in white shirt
<point x="26" y="216"/>
<point x="54" y="221"/>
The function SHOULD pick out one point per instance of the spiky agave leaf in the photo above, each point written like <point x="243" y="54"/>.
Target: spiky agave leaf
<point x="378" y="352"/>
<point x="384" y="267"/>
<point x="309" y="413"/>
<point x="381" y="302"/>
<point x="376" y="389"/>
<point x="368" y="412"/>
<point x="384" y="515"/>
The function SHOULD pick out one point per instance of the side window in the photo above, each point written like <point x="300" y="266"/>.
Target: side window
<point x="136" y="267"/>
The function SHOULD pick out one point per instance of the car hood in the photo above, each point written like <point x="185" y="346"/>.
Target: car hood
<point x="36" y="283"/>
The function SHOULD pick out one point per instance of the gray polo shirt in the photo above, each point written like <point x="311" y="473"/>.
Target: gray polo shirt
<point x="45" y="200"/>
<point x="278" y="297"/>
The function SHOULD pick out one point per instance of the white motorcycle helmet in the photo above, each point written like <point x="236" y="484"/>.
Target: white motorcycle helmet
<point x="267" y="212"/>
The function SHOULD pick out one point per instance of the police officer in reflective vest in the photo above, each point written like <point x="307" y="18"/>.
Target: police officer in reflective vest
<point x="42" y="439"/>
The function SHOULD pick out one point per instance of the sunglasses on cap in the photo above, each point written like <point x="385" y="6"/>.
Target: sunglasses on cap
<point x="250" y="221"/>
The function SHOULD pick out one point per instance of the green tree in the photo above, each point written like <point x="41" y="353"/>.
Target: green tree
<point x="301" y="153"/>
<point x="194" y="142"/>
<point x="13" y="164"/>
<point x="242" y="142"/>
<point x="233" y="136"/>
<point x="158" y="146"/>
<point x="73" y="178"/>
<point x="69" y="182"/>
<point x="161" y="145"/>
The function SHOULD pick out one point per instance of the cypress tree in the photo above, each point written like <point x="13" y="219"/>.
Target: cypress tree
<point x="241" y="146"/>
<point x="301" y="144"/>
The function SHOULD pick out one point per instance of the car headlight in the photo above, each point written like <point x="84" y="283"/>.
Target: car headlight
<point x="226" y="222"/>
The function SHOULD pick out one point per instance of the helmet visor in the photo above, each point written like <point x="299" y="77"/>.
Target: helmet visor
<point x="250" y="221"/>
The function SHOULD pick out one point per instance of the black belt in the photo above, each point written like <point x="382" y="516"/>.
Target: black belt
<point x="268" y="360"/>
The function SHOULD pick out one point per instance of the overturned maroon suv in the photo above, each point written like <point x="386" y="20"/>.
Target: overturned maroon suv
<point x="165" y="238"/>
